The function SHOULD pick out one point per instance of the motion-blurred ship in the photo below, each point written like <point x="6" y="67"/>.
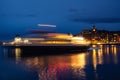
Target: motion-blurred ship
<point x="48" y="40"/>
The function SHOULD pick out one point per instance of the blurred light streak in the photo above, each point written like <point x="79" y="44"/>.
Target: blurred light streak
<point x="47" y="25"/>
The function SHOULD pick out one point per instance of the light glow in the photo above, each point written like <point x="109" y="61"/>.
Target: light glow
<point x="78" y="60"/>
<point x="98" y="43"/>
<point x="47" y="25"/>
<point x="26" y="41"/>
<point x="17" y="40"/>
<point x="77" y="38"/>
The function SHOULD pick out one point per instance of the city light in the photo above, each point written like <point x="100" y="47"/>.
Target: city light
<point x="17" y="40"/>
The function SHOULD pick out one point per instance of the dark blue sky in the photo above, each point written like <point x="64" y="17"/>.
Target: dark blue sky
<point x="18" y="16"/>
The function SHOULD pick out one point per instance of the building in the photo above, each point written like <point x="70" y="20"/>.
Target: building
<point x="96" y="36"/>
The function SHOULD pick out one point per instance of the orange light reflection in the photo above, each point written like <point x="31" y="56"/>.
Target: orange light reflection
<point x="94" y="59"/>
<point x="115" y="54"/>
<point x="17" y="54"/>
<point x="78" y="60"/>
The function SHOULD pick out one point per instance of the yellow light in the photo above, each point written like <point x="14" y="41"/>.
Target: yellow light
<point x="77" y="38"/>
<point x="94" y="46"/>
<point x="94" y="59"/>
<point x="17" y="54"/>
<point x="17" y="40"/>
<point x="59" y="36"/>
<point x="78" y="60"/>
<point x="115" y="55"/>
<point x="26" y="41"/>
<point x="93" y="29"/>
<point x="98" y="43"/>
<point x="12" y="43"/>
<point x="33" y="38"/>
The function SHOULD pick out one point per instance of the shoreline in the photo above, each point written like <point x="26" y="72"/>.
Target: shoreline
<point x="106" y="44"/>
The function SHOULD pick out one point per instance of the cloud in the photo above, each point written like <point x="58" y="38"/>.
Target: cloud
<point x="96" y="20"/>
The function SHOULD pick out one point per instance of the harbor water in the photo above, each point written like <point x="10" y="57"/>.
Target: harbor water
<point x="95" y="64"/>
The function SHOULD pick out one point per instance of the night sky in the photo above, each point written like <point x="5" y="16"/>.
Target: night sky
<point x="69" y="16"/>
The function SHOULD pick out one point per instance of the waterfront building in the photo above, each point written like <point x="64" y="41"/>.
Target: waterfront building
<point x="96" y="36"/>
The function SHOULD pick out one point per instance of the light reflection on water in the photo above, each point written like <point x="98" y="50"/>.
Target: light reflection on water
<point x="78" y="66"/>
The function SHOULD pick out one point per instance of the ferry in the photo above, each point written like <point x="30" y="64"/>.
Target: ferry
<point x="49" y="42"/>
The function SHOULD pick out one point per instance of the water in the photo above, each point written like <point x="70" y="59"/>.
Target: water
<point x="101" y="64"/>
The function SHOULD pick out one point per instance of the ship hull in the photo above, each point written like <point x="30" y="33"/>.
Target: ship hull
<point x="46" y="50"/>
